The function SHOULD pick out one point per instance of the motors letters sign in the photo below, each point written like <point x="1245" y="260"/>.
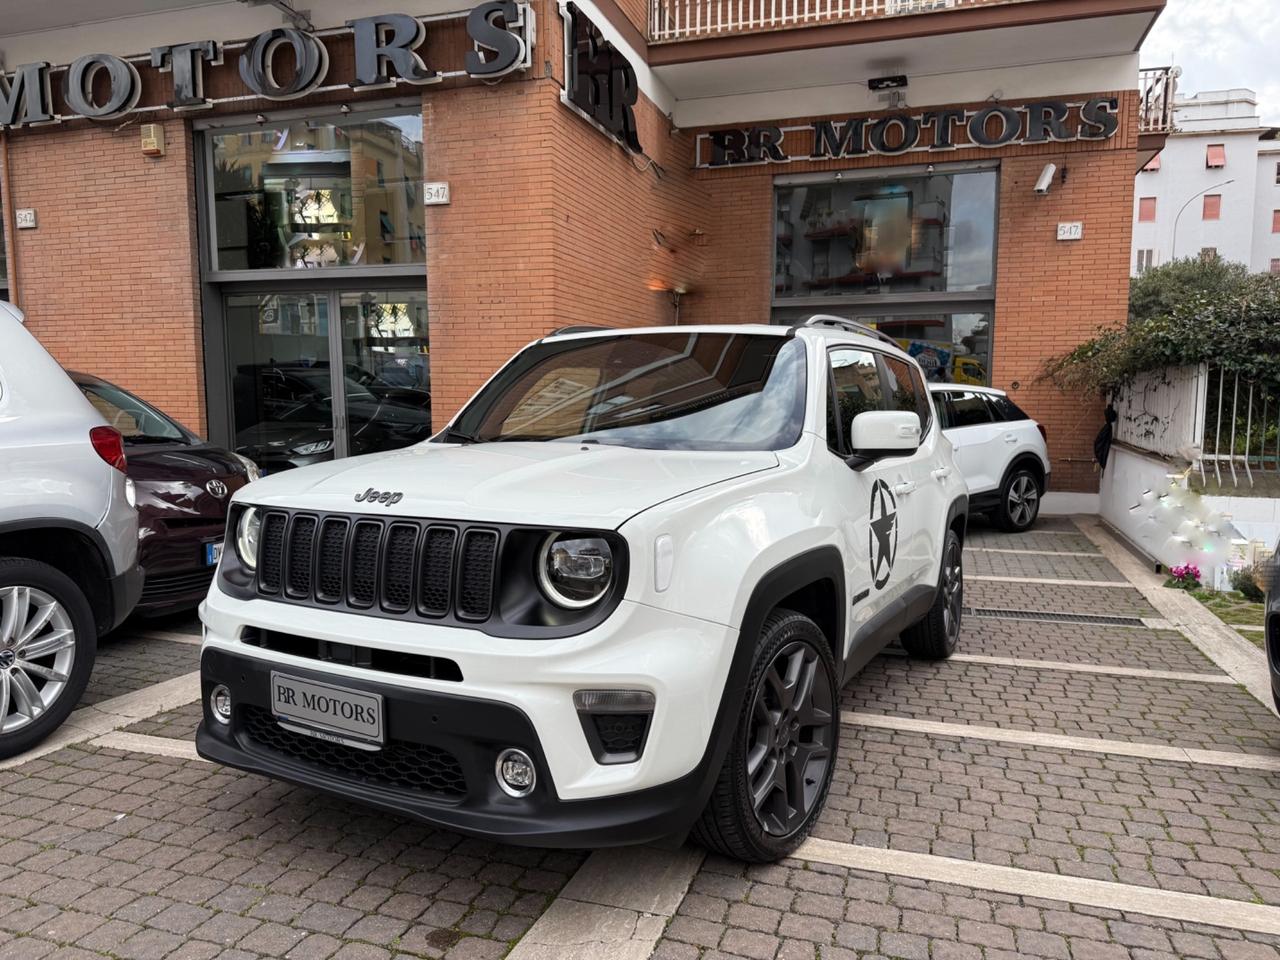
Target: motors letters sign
<point x="102" y="86"/>
<point x="931" y="131"/>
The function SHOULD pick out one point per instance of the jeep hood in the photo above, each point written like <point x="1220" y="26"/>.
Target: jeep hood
<point x="553" y="483"/>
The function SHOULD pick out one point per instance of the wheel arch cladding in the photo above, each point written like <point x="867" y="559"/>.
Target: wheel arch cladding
<point x="797" y="578"/>
<point x="958" y="517"/>
<point x="69" y="548"/>
<point x="1028" y="460"/>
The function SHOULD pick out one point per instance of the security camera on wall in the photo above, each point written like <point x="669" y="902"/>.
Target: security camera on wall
<point x="1046" y="178"/>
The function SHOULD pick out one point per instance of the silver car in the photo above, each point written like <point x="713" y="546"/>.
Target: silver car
<point x="68" y="538"/>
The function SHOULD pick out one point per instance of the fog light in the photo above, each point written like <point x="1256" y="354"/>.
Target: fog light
<point x="220" y="704"/>
<point x="516" y="775"/>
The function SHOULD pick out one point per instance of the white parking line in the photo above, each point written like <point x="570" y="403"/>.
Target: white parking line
<point x="614" y="908"/>
<point x="1060" y="741"/>
<point x="86" y="723"/>
<point x="1049" y="581"/>
<point x="1035" y="553"/>
<point x="141" y="743"/>
<point x="1081" y="667"/>
<point x="1233" y="653"/>
<point x="1170" y="904"/>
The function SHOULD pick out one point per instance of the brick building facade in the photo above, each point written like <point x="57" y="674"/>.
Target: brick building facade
<point x="551" y="222"/>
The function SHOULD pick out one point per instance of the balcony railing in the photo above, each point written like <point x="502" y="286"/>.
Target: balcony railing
<point x="691" y="19"/>
<point x="1157" y="86"/>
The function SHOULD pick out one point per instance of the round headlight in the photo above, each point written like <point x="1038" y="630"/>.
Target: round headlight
<point x="574" y="571"/>
<point x="247" y="531"/>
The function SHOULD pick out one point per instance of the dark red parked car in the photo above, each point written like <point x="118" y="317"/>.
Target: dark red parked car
<point x="183" y="485"/>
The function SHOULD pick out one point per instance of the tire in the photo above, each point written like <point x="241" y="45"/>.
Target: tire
<point x="37" y="697"/>
<point x="1019" y="501"/>
<point x="771" y="731"/>
<point x="936" y="635"/>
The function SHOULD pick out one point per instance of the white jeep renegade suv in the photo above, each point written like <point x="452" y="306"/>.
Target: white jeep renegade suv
<point x="615" y="599"/>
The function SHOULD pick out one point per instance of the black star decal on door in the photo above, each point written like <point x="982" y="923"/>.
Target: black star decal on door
<point x="883" y="539"/>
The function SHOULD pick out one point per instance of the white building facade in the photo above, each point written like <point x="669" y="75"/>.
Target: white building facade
<point x="1213" y="189"/>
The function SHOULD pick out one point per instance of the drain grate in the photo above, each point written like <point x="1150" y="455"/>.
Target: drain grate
<point x="1045" y="616"/>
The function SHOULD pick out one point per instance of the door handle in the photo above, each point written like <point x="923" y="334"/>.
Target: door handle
<point x="942" y="473"/>
<point x="901" y="489"/>
<point x="1010" y="438"/>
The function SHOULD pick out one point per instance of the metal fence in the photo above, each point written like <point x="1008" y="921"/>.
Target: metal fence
<point x="1222" y="423"/>
<point x="1157" y="86"/>
<point x="686" y="19"/>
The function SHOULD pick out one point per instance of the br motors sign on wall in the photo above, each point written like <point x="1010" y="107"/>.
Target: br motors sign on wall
<point x="600" y="83"/>
<point x="102" y="86"/>
<point x="931" y="131"/>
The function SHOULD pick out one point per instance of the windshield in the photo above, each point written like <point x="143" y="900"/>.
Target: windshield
<point x="137" y="422"/>
<point x="667" y="391"/>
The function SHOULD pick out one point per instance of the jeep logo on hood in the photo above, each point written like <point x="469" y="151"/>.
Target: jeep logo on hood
<point x="384" y="497"/>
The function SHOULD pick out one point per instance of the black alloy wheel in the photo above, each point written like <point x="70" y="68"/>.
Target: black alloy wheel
<point x="782" y="757"/>
<point x="952" y="590"/>
<point x="789" y="743"/>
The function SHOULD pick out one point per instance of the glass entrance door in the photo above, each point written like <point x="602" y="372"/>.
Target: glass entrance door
<point x="387" y="379"/>
<point x="305" y="389"/>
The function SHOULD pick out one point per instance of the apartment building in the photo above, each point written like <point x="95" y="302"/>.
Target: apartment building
<point x="1213" y="189"/>
<point x="266" y="220"/>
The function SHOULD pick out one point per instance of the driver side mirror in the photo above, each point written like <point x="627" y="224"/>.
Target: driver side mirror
<point x="877" y="434"/>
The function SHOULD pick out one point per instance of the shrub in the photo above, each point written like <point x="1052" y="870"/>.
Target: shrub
<point x="1185" y="576"/>
<point x="1249" y="582"/>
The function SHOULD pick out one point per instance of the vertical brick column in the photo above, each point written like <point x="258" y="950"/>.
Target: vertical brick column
<point x="109" y="276"/>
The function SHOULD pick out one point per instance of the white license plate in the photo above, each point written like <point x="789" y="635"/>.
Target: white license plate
<point x="212" y="554"/>
<point x="327" y="711"/>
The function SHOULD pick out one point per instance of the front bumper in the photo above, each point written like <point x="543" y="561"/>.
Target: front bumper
<point x="459" y="736"/>
<point x="514" y="693"/>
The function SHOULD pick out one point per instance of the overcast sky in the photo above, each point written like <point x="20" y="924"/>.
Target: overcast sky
<point x="1221" y="44"/>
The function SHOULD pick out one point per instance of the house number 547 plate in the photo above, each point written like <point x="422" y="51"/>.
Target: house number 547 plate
<point x="435" y="193"/>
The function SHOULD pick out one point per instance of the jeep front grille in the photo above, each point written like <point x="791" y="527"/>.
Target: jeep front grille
<point x="416" y="569"/>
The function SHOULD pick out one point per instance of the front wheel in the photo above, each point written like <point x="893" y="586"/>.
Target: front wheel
<point x="775" y="778"/>
<point x="47" y="648"/>
<point x="935" y="637"/>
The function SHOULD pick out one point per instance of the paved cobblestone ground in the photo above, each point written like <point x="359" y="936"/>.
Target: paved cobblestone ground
<point x="1177" y="826"/>
<point x="148" y="857"/>
<point x="179" y="724"/>
<point x="1046" y="566"/>
<point x="128" y="663"/>
<point x="798" y="911"/>
<point x="1083" y="643"/>
<point x="1109" y="601"/>
<point x="1209" y="716"/>
<point x="1038" y="540"/>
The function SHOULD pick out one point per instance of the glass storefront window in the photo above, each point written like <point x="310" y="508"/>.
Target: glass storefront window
<point x="911" y="234"/>
<point x="316" y="193"/>
<point x="912" y="255"/>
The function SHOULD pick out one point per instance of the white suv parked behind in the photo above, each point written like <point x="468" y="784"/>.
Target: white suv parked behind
<point x="614" y="599"/>
<point x="68" y="538"/>
<point x="1000" y="450"/>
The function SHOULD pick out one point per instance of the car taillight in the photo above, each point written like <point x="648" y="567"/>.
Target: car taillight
<point x="109" y="445"/>
<point x="1043" y="432"/>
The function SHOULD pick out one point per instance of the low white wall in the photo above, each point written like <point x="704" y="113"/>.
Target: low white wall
<point x="1257" y="518"/>
<point x="1128" y="474"/>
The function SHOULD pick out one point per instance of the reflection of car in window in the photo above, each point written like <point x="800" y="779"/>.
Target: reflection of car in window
<point x="613" y="600"/>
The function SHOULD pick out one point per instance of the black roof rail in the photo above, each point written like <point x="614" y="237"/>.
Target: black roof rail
<point x="852" y="326"/>
<point x="576" y="328"/>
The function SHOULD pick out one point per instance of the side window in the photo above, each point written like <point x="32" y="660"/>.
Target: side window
<point x="1006" y="409"/>
<point x="907" y="391"/>
<point x="942" y="401"/>
<point x="856" y="388"/>
<point x="969" y="410"/>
